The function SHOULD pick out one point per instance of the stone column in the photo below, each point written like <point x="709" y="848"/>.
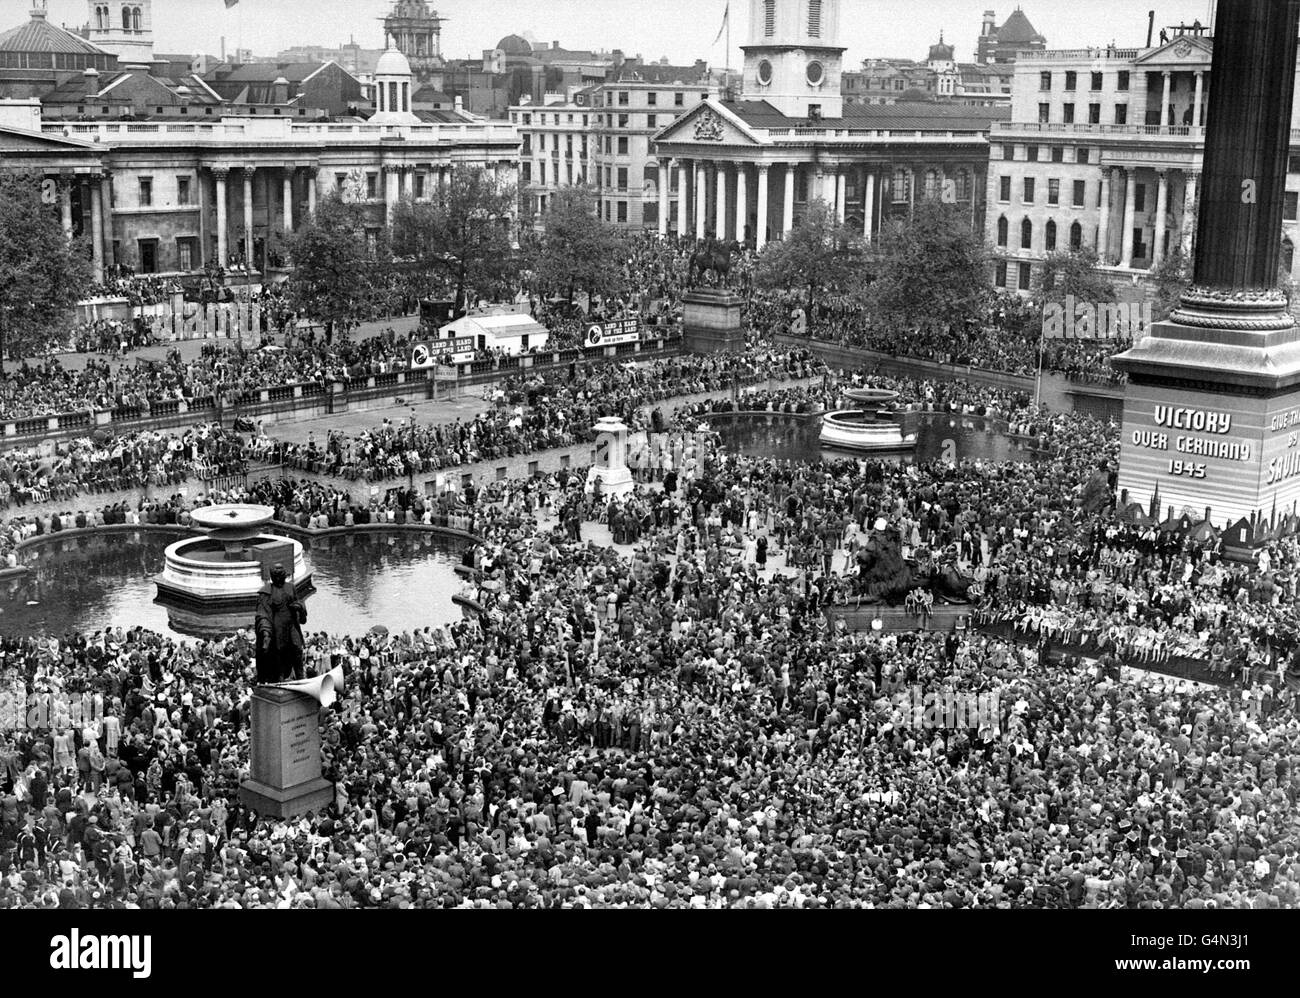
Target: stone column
<point x="1130" y="215"/>
<point x="96" y="230"/>
<point x="700" y="196"/>
<point x="1247" y="145"/>
<point x="1165" y="119"/>
<point x="106" y="216"/>
<point x="313" y="179"/>
<point x="288" y="200"/>
<point x="663" y="198"/>
<point x="720" y="206"/>
<point x="787" y="215"/>
<point x="1189" y="207"/>
<point x="408" y="183"/>
<point x="742" y="201"/>
<point x="248" y="217"/>
<point x="760" y="229"/>
<point x="869" y="207"/>
<point x="1198" y="98"/>
<point x="819" y="186"/>
<point x="683" y="197"/>
<point x="1103" y="223"/>
<point x="65" y="205"/>
<point x="911" y="192"/>
<point x="223" y="225"/>
<point x="841" y="194"/>
<point x="390" y="194"/>
<point x="1162" y="209"/>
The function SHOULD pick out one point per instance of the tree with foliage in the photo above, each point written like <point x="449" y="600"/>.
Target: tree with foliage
<point x="1171" y="277"/>
<point x="1073" y="272"/>
<point x="931" y="270"/>
<point x="817" y="256"/>
<point x="577" y="250"/>
<point x="335" y="279"/>
<point x="460" y="240"/>
<point x="43" y="274"/>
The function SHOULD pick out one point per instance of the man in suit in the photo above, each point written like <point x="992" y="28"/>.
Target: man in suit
<point x="280" y="616"/>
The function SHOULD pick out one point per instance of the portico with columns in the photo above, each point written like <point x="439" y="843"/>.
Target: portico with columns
<point x="750" y="167"/>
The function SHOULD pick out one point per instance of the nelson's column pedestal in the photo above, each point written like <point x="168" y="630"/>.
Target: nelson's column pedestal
<point x="1212" y="407"/>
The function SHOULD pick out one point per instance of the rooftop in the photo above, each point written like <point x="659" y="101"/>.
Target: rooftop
<point x="910" y="117"/>
<point x="39" y="35"/>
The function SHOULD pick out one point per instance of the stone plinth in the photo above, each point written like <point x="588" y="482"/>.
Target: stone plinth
<point x="711" y="321"/>
<point x="284" y="754"/>
<point x="610" y="468"/>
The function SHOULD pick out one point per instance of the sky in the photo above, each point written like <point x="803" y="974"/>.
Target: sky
<point x="682" y="30"/>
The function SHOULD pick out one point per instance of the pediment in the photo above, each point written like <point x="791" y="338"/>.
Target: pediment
<point x="1185" y="50"/>
<point x="708" y="123"/>
<point x="16" y="140"/>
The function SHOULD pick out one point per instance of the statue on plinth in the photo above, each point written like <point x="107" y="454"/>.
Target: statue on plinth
<point x="712" y="255"/>
<point x="280" y="616"/>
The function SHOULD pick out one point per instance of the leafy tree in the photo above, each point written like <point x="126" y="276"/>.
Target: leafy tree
<point x="1073" y="272"/>
<point x="817" y="255"/>
<point x="460" y="240"/>
<point x="931" y="270"/>
<point x="334" y="278"/>
<point x="43" y="274"/>
<point x="1171" y="277"/>
<point x="577" y="251"/>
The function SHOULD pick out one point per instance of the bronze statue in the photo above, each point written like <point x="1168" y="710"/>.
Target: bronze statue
<point x="280" y="616"/>
<point x="712" y="255"/>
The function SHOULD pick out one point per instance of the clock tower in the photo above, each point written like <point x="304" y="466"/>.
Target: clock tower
<point x="794" y="59"/>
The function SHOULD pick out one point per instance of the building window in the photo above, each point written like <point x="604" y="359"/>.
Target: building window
<point x="1058" y="154"/>
<point x="1001" y="278"/>
<point x="1067" y="113"/>
<point x="1004" y="189"/>
<point x="814" y="18"/>
<point x="372" y="186"/>
<point x="1288" y="255"/>
<point x="608" y="211"/>
<point x="1122" y="82"/>
<point x="622" y="178"/>
<point x="622" y="120"/>
<point x="1049" y="237"/>
<point x="184" y="255"/>
<point x="931" y="184"/>
<point x="1140" y="198"/>
<point x="526" y="171"/>
<point x="1008" y="153"/>
<point x="622" y="146"/>
<point x="146" y="192"/>
<point x="183" y="194"/>
<point x="419" y="186"/>
<point x="622" y="98"/>
<point x="651" y="98"/>
<point x="1096" y="82"/>
<point x="679" y="100"/>
<point x="1026" y="234"/>
<point x="1044" y="81"/>
<point x="1031" y="153"/>
<point x="1076" y="236"/>
<point x="1044" y="113"/>
<point x="650" y="121"/>
<point x="1121" y="114"/>
<point x="769" y="18"/>
<point x="1026" y="273"/>
<point x="1028" y="190"/>
<point x="1053" y="191"/>
<point x="622" y="211"/>
<point x="1071" y="80"/>
<point x="902" y="185"/>
<point x="1080" y="192"/>
<point x="1081" y="155"/>
<point x="1289" y="206"/>
<point x="962" y="185"/>
<point x="1002" y="231"/>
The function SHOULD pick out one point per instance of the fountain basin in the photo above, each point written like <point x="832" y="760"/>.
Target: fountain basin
<point x="857" y="429"/>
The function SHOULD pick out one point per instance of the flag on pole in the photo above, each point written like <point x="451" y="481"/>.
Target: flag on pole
<point x="726" y="19"/>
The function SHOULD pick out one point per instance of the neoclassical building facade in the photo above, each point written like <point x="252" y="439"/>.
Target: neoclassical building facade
<point x="747" y="168"/>
<point x="173" y="197"/>
<point x="1104" y="151"/>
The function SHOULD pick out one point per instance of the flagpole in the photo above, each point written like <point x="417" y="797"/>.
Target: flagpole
<point x="726" y="61"/>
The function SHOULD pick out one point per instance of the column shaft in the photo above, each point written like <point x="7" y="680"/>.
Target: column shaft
<point x="760" y="229"/>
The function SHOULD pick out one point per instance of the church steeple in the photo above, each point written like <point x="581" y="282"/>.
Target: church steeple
<point x="794" y="60"/>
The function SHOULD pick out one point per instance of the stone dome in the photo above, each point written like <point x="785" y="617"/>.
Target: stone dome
<point x="392" y="63"/>
<point x="515" y="45"/>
